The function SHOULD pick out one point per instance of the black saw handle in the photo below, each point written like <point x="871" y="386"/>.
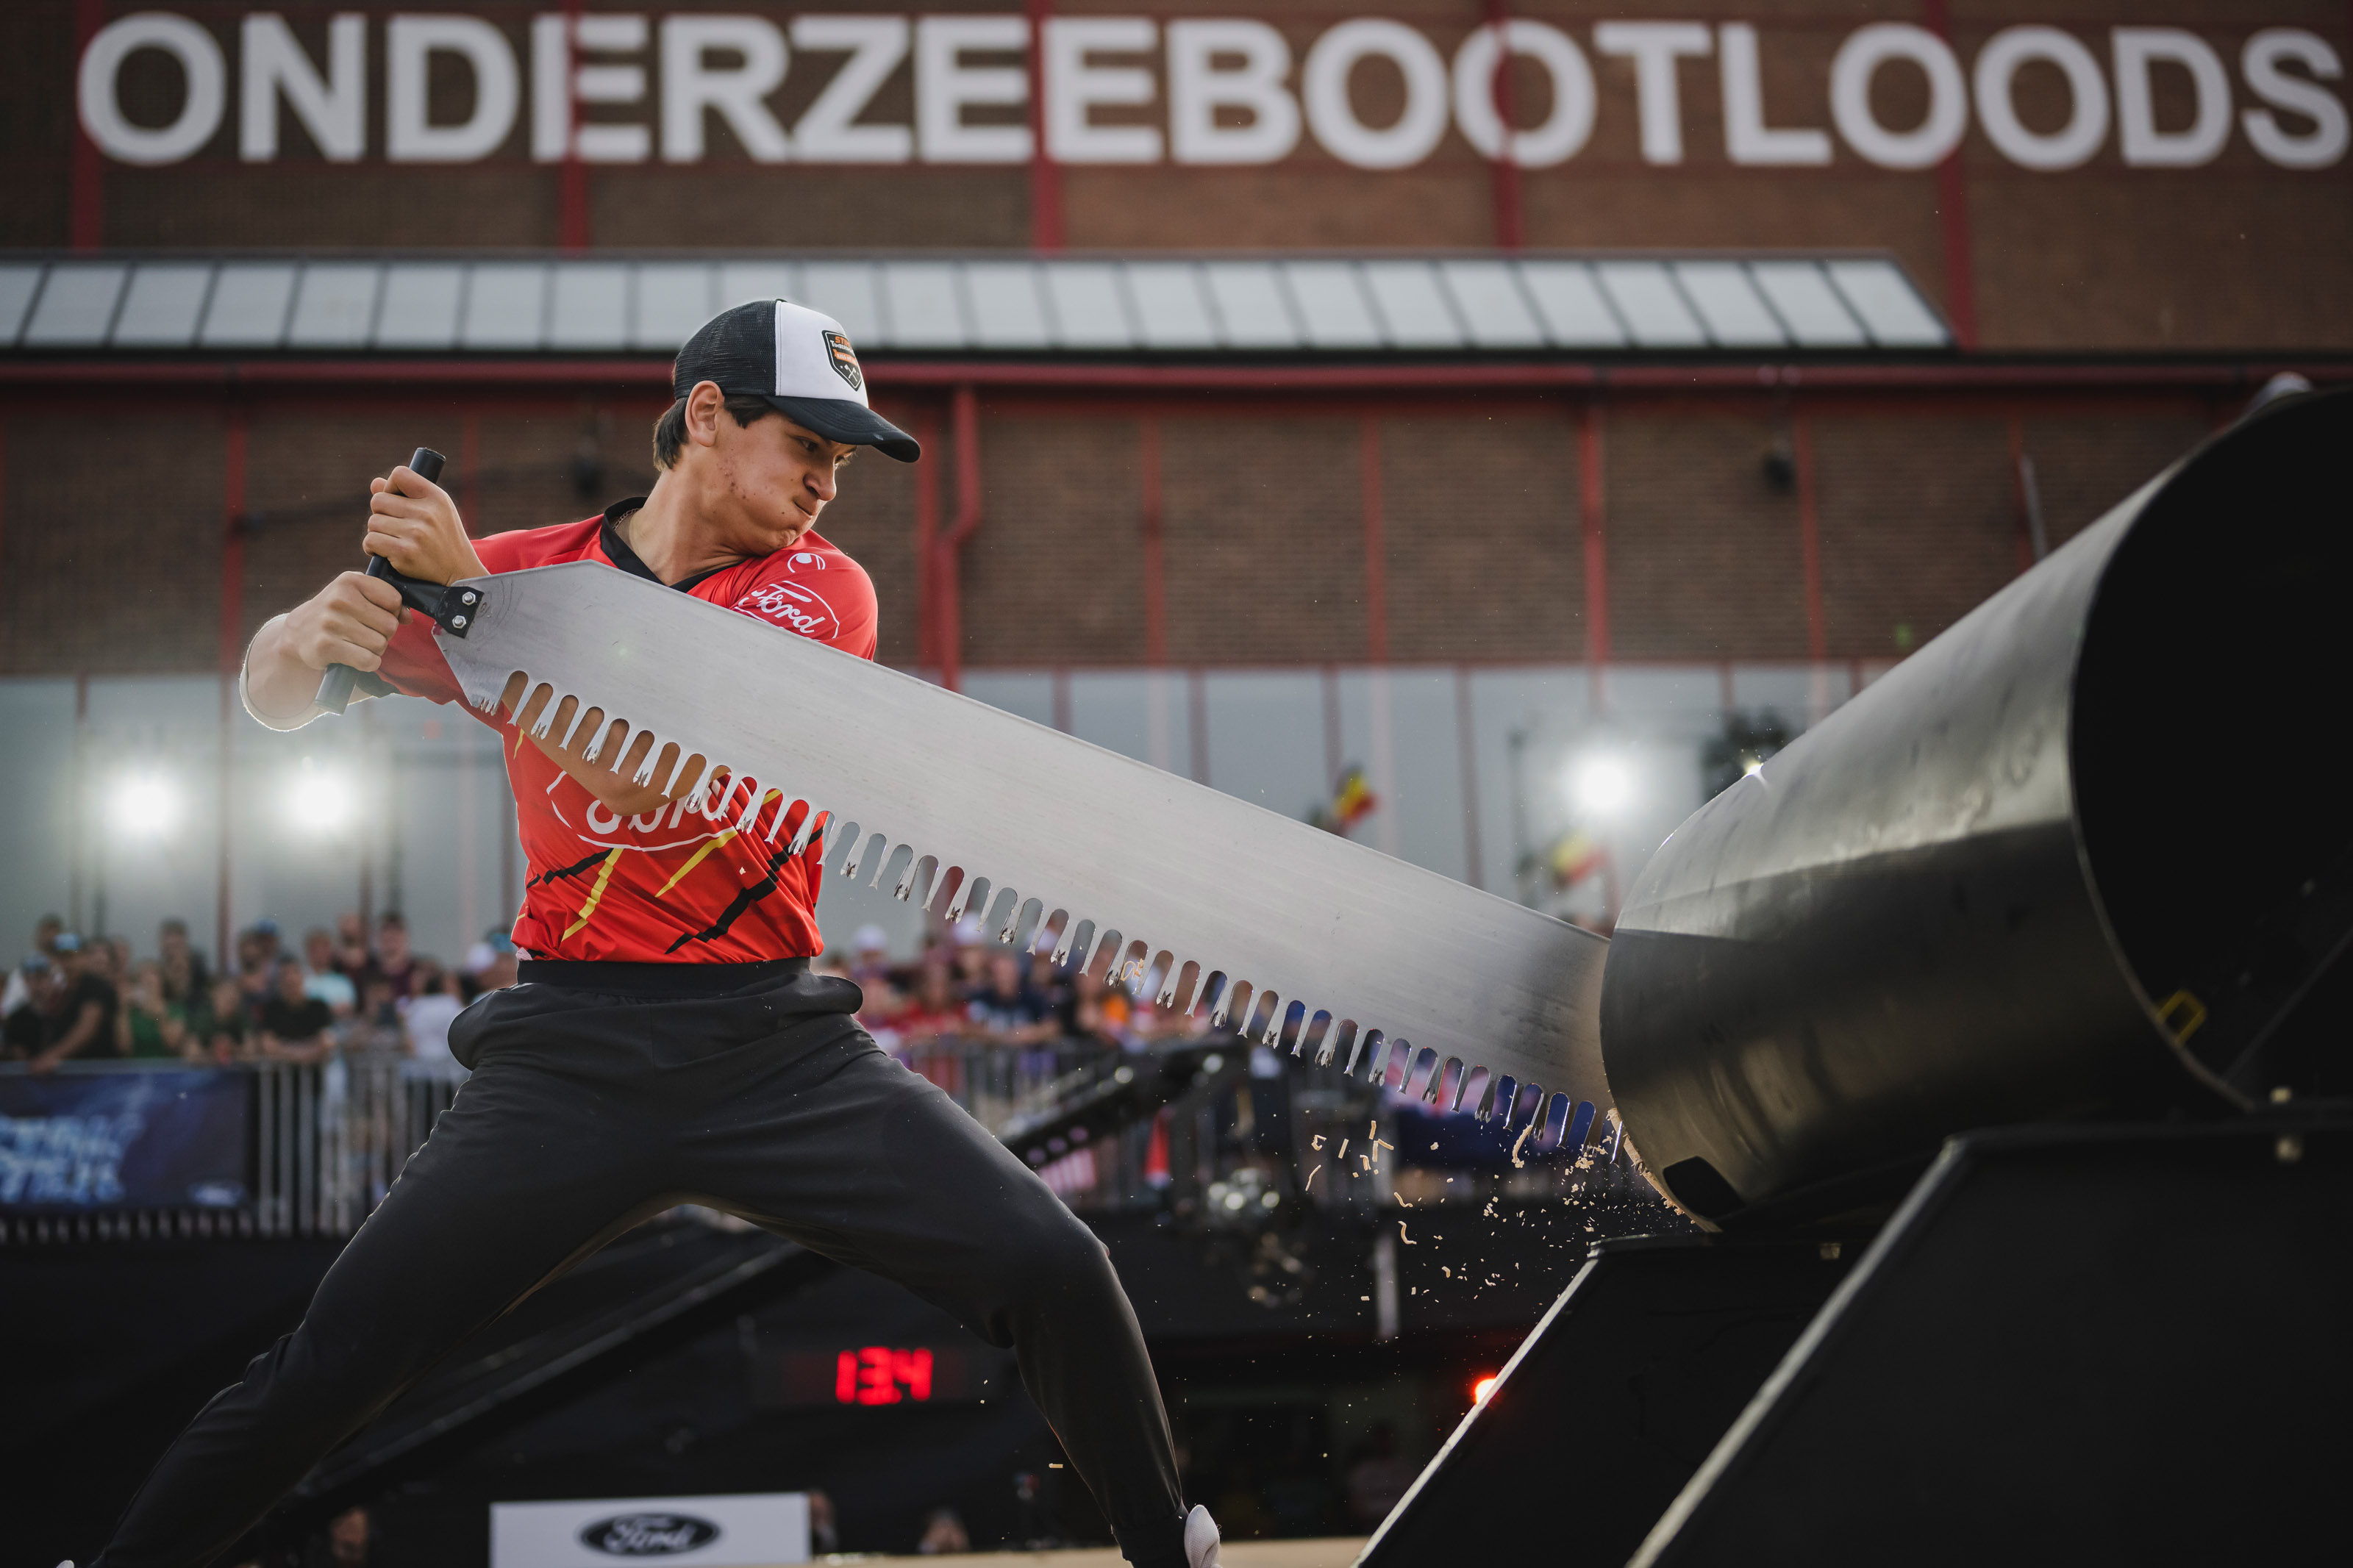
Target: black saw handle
<point x="335" y="689"/>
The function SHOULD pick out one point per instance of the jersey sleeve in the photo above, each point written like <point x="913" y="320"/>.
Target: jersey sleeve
<point x="834" y="605"/>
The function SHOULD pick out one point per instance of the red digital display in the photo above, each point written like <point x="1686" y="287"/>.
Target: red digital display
<point x="882" y="1374"/>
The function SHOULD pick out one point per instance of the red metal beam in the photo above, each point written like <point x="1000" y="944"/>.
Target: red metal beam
<point x="1045" y="174"/>
<point x="1511" y="220"/>
<point x="949" y="579"/>
<point x="927" y="534"/>
<point x="1377" y="574"/>
<point x="231" y="659"/>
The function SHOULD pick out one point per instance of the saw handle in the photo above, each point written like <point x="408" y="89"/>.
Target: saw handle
<point x="452" y="608"/>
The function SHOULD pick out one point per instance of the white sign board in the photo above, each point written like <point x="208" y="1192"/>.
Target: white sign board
<point x="748" y="1530"/>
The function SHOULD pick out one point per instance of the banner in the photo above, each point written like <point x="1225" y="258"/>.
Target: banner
<point x="737" y="1531"/>
<point x="80" y="1142"/>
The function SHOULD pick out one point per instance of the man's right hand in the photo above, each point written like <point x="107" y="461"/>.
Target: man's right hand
<point x="350" y="621"/>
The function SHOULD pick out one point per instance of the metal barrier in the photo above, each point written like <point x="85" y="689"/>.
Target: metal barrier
<point x="115" y="1151"/>
<point x="311" y="1150"/>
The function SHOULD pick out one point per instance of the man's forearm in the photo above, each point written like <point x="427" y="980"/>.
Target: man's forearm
<point x="279" y="688"/>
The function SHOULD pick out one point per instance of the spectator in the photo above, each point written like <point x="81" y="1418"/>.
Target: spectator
<point x="228" y="1034"/>
<point x="376" y="1034"/>
<point x="427" y="1018"/>
<point x="36" y="989"/>
<point x="1048" y="981"/>
<point x="150" y="1025"/>
<point x="489" y="966"/>
<point x="1006" y="1008"/>
<point x="944" y="1533"/>
<point x="322" y="979"/>
<point x="394" y="961"/>
<point x="84" y="1016"/>
<point x="46" y="931"/>
<point x="294" y="1024"/>
<point x="257" y="965"/>
<point x="41" y="961"/>
<point x="932" y="1011"/>
<point x="187" y="980"/>
<point x="352" y="956"/>
<point x="1094" y="1012"/>
<point x="968" y="947"/>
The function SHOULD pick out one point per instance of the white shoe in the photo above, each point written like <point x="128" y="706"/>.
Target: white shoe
<point x="1200" y="1539"/>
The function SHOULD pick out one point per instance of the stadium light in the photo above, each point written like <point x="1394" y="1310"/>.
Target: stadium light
<point x="1602" y="782"/>
<point x="145" y="804"/>
<point x="320" y="800"/>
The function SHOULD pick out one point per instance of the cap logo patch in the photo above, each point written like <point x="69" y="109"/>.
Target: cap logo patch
<point x="844" y="359"/>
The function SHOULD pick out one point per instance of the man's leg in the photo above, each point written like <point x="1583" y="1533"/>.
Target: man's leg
<point x="847" y="1153"/>
<point x="527" y="1171"/>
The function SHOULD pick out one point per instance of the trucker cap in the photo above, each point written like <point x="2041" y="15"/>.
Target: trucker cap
<point x="801" y="361"/>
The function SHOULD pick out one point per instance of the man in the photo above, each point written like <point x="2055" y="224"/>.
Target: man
<point x="187" y="981"/>
<point x="295" y="1022"/>
<point x="667" y="1040"/>
<point x="322" y="979"/>
<point x="83" y="1022"/>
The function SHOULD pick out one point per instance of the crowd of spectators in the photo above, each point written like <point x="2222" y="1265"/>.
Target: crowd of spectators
<point x="964" y="987"/>
<point x="359" y="991"/>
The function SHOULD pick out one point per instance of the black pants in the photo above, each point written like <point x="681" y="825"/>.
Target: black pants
<point x="598" y="1098"/>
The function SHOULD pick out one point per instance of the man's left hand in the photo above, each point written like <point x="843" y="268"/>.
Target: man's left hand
<point x="414" y="524"/>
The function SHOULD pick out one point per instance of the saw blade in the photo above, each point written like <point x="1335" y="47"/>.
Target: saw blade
<point x="1282" y="930"/>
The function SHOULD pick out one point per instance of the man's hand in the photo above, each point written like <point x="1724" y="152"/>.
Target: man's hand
<point x="414" y="524"/>
<point x="350" y="621"/>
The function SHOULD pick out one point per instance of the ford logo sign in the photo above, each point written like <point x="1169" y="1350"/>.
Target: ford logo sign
<point x="649" y="1534"/>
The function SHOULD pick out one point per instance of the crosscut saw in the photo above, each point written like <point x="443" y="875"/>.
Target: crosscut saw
<point x="1284" y="931"/>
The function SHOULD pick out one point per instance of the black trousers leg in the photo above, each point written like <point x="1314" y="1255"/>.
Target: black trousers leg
<point x="584" y="1109"/>
<point x="852" y="1155"/>
<point x="526" y="1172"/>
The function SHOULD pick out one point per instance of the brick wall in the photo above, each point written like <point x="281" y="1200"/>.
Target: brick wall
<point x="1705" y="556"/>
<point x="110" y="521"/>
<point x="111" y="539"/>
<point x="1263" y="539"/>
<point x="1055" y="575"/>
<point x="1485" y="559"/>
<point x="1919" y="522"/>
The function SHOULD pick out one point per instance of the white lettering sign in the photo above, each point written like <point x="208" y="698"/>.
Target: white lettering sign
<point x="622" y="86"/>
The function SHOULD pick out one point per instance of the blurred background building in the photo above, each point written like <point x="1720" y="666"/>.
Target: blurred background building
<point x="1485" y="428"/>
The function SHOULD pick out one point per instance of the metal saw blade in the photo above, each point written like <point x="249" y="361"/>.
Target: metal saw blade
<point x="1361" y="962"/>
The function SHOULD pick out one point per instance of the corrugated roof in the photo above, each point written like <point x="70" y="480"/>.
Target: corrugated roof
<point x="1304" y="305"/>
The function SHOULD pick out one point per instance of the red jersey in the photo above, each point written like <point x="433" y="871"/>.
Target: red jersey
<point x="674" y="885"/>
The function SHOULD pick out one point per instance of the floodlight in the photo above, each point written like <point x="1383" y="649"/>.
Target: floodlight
<point x="1601" y="783"/>
<point x="145" y="804"/>
<point x="318" y="799"/>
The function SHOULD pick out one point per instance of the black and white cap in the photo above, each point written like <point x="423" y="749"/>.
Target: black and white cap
<point x="801" y="361"/>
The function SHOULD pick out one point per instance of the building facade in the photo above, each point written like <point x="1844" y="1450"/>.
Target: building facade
<point x="1727" y="350"/>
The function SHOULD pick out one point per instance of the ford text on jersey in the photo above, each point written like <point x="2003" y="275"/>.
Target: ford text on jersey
<point x="687" y="883"/>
